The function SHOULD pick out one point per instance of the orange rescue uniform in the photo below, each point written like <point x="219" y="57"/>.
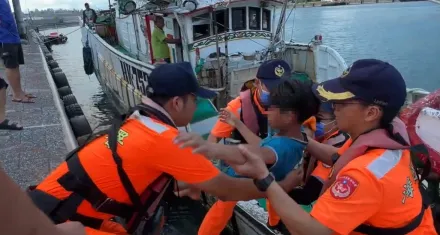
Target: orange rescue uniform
<point x="378" y="188"/>
<point x="147" y="149"/>
<point x="322" y="170"/>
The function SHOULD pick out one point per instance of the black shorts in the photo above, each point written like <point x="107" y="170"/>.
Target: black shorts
<point x="3" y="84"/>
<point x="11" y="54"/>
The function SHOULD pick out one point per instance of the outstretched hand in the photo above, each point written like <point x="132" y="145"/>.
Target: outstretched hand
<point x="254" y="167"/>
<point x="197" y="143"/>
<point x="227" y="117"/>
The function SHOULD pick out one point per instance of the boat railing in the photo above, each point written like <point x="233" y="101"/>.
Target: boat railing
<point x="414" y="94"/>
<point x="91" y="32"/>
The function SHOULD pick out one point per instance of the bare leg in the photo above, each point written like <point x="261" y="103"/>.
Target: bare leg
<point x="13" y="76"/>
<point x="2" y="104"/>
<point x="5" y="124"/>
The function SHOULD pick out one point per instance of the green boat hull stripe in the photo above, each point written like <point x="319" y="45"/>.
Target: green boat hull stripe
<point x="203" y="127"/>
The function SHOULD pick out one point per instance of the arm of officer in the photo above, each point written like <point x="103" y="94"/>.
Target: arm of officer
<point x="21" y="217"/>
<point x="350" y="201"/>
<point x="196" y="170"/>
<point x="229" y="153"/>
<point x="221" y="129"/>
<point x="292" y="180"/>
<point x="322" y="152"/>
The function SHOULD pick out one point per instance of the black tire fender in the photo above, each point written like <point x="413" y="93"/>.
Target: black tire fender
<point x="65" y="90"/>
<point x="55" y="70"/>
<point x="73" y="110"/>
<point x="69" y="100"/>
<point x="80" y="126"/>
<point x="60" y="79"/>
<point x="52" y="64"/>
<point x="48" y="56"/>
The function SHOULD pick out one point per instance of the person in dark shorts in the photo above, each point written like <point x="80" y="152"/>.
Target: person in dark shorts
<point x="11" y="53"/>
<point x="5" y="124"/>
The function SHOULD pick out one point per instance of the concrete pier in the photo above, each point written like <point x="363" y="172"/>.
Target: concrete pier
<point x="30" y="154"/>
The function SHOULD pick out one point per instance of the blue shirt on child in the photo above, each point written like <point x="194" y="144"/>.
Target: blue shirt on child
<point x="288" y="152"/>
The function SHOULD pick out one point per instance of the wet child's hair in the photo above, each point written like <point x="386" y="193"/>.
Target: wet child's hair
<point x="296" y="96"/>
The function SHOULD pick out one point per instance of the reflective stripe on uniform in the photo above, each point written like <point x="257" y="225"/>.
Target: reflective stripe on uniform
<point x="385" y="163"/>
<point x="149" y="123"/>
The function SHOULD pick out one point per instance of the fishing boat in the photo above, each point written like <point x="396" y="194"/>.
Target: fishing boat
<point x="224" y="40"/>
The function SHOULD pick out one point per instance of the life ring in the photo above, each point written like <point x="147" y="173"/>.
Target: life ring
<point x="422" y="120"/>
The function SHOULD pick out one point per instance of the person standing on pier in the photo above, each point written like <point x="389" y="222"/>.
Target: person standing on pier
<point x="11" y="53"/>
<point x="159" y="41"/>
<point x="89" y="15"/>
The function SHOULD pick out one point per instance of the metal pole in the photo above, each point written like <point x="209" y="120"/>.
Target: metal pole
<point x="19" y="19"/>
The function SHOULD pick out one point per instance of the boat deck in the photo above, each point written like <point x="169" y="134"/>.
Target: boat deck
<point x="30" y="154"/>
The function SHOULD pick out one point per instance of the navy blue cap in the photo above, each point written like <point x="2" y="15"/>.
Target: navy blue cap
<point x="176" y="79"/>
<point x="370" y="80"/>
<point x="272" y="71"/>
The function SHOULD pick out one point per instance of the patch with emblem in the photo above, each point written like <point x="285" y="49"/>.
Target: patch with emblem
<point x="343" y="187"/>
<point x="120" y="138"/>
<point x="279" y="71"/>
<point x="408" y="190"/>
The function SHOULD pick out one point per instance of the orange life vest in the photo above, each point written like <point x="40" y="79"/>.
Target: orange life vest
<point x="82" y="188"/>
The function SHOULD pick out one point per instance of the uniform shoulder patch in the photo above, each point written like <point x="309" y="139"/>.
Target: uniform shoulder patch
<point x="343" y="187"/>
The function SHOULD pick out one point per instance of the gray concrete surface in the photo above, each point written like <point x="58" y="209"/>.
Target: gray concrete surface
<point x="30" y="154"/>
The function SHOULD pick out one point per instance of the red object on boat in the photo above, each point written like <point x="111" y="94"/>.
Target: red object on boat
<point x="53" y="35"/>
<point x="409" y="117"/>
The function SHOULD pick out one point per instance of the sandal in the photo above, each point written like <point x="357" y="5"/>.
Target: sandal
<point x="28" y="95"/>
<point x="25" y="101"/>
<point x="6" y="125"/>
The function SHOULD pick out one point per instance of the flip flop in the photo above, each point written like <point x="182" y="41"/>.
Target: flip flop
<point x="5" y="125"/>
<point x="31" y="96"/>
<point x="24" y="101"/>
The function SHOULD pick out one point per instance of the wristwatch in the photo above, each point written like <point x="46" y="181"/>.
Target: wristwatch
<point x="263" y="184"/>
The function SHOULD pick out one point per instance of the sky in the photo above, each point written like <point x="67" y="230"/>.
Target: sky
<point x="65" y="4"/>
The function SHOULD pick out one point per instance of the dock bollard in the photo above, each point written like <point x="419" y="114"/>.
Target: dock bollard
<point x="80" y="126"/>
<point x="60" y="79"/>
<point x="73" y="110"/>
<point x="69" y="99"/>
<point x="65" y="90"/>
<point x="52" y="64"/>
